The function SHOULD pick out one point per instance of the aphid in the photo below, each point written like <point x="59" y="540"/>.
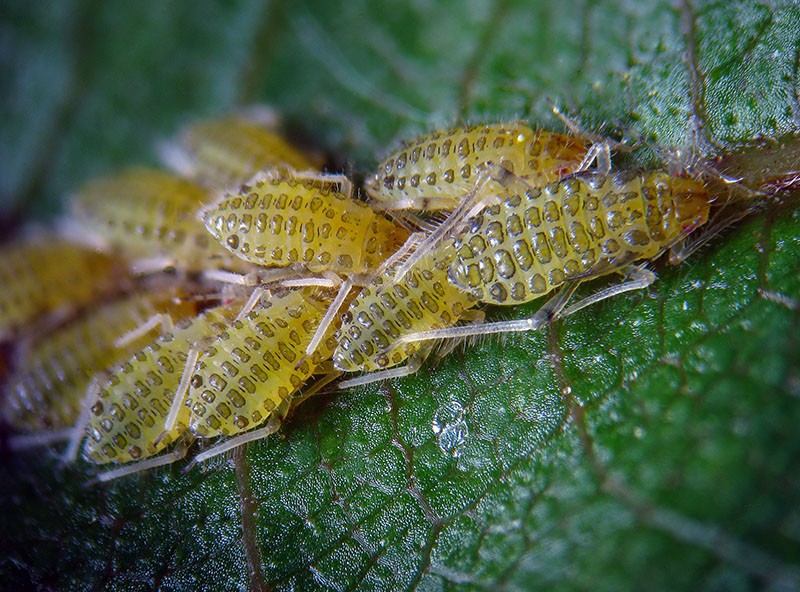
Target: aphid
<point x="584" y="226"/>
<point x="227" y="151"/>
<point x="127" y="417"/>
<point x="459" y="171"/>
<point x="250" y="373"/>
<point x="43" y="276"/>
<point x="51" y="374"/>
<point x="437" y="171"/>
<point x="279" y="223"/>
<point x="291" y="223"/>
<point x="150" y="217"/>
<point x="386" y="309"/>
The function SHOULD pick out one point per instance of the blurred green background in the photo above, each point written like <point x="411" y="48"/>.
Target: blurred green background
<point x="649" y="442"/>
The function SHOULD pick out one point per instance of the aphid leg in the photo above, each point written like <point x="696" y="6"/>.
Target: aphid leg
<point x="43" y="438"/>
<point x="601" y="152"/>
<point x="684" y="249"/>
<point x="331" y="281"/>
<point x="255" y="296"/>
<point x="162" y="319"/>
<point x="473" y="317"/>
<point x="150" y="463"/>
<point x="414" y="364"/>
<point x="265" y="276"/>
<point x="637" y="278"/>
<point x="418" y="203"/>
<point x="471" y="205"/>
<point x="329" y="374"/>
<point x="180" y="395"/>
<point x="544" y="315"/>
<point x="151" y="265"/>
<point x="273" y="423"/>
<point x="79" y="429"/>
<point x="326" y="320"/>
<point x="345" y="186"/>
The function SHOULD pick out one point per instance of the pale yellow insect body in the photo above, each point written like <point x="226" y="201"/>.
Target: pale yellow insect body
<point x="51" y="375"/>
<point x="278" y="223"/>
<point x="436" y="171"/>
<point x="250" y="373"/>
<point x="149" y="215"/>
<point x="41" y="276"/>
<point x="582" y="226"/>
<point x="132" y="407"/>
<point x="227" y="151"/>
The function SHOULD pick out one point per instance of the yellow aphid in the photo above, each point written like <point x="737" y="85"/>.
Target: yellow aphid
<point x="436" y="171"/>
<point x="280" y="223"/>
<point x="150" y="217"/>
<point x="227" y="151"/>
<point x="51" y="375"/>
<point x="385" y="310"/>
<point x="41" y="276"/>
<point x="130" y="412"/>
<point x="250" y="373"/>
<point x="583" y="226"/>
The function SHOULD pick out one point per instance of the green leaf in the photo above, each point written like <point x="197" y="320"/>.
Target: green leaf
<point x="647" y="442"/>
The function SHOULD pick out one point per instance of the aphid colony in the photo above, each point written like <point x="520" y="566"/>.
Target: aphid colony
<point x="200" y="303"/>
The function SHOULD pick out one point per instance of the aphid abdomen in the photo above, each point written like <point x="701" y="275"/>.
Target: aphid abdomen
<point x="586" y="224"/>
<point x="149" y="214"/>
<point x="40" y="276"/>
<point x="228" y="151"/>
<point x="50" y="379"/>
<point x="424" y="299"/>
<point x="280" y="223"/>
<point x="249" y="373"/>
<point x="130" y="413"/>
<point x="444" y="166"/>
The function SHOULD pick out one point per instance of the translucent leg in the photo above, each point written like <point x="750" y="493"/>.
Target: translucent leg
<point x="43" y="438"/>
<point x="162" y="319"/>
<point x="265" y="276"/>
<point x="345" y="186"/>
<point x="419" y="203"/>
<point x="684" y="249"/>
<point x="151" y="265"/>
<point x="414" y="364"/>
<point x="553" y="309"/>
<point x="326" y="321"/>
<point x="180" y="394"/>
<point x="325" y="380"/>
<point x="272" y="426"/>
<point x="79" y="429"/>
<point x="474" y="317"/>
<point x="138" y="467"/>
<point x="472" y="204"/>
<point x="255" y="296"/>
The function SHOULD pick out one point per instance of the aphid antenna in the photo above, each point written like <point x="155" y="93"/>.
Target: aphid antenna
<point x="254" y="298"/>
<point x="471" y="205"/>
<point x="578" y="131"/>
<point x="138" y="467"/>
